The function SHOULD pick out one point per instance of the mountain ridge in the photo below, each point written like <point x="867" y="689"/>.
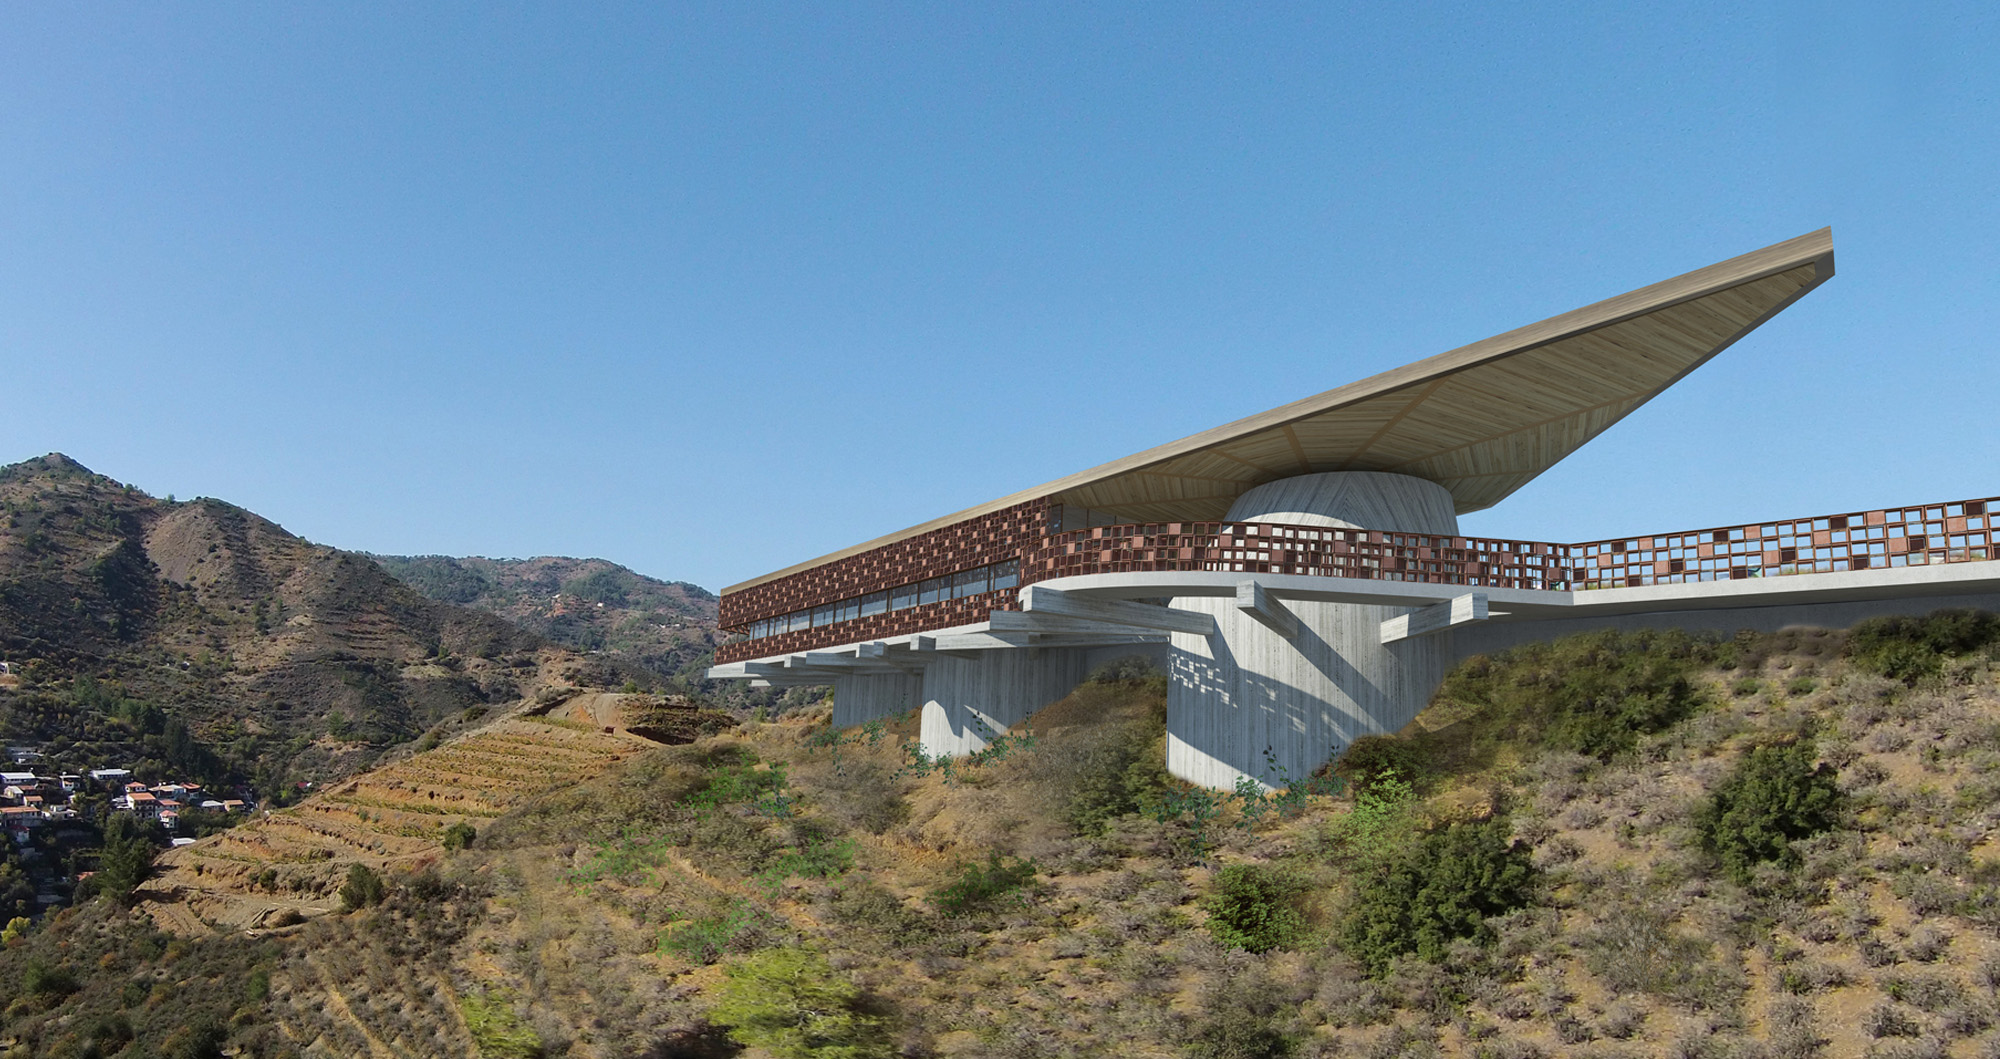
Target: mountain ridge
<point x="295" y="661"/>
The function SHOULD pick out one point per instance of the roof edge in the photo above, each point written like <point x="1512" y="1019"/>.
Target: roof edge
<point x="1813" y="248"/>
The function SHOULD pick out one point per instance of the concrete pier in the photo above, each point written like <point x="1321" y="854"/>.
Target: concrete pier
<point x="1248" y="689"/>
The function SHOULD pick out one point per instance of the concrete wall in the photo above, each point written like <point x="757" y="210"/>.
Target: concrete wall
<point x="968" y="700"/>
<point x="864" y="698"/>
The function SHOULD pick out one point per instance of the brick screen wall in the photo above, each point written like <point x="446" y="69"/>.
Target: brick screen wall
<point x="921" y="618"/>
<point x="987" y="539"/>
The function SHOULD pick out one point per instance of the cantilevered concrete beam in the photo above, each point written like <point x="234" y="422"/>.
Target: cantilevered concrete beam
<point x="1042" y="622"/>
<point x="928" y="645"/>
<point x="1435" y="618"/>
<point x="1043" y="600"/>
<point x="1260" y="605"/>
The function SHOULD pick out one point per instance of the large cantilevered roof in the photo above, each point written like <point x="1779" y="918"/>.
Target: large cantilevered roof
<point x="1482" y="420"/>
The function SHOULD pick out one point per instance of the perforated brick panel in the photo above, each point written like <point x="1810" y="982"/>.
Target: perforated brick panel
<point x="981" y="541"/>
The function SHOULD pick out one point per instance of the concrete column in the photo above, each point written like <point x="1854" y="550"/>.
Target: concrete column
<point x="967" y="700"/>
<point x="1246" y="702"/>
<point x="865" y="697"/>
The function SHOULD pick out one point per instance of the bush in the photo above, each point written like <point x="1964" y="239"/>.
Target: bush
<point x="1371" y="757"/>
<point x="1383" y="821"/>
<point x="1441" y="890"/>
<point x="1909" y="649"/>
<point x="1237" y="1032"/>
<point x="42" y="980"/>
<point x="201" y="1039"/>
<point x="459" y="836"/>
<point x="1594" y="693"/>
<point x="790" y="1003"/>
<point x="1251" y="907"/>
<point x="1637" y="949"/>
<point x="706" y="939"/>
<point x="1117" y="774"/>
<point x="497" y="1030"/>
<point x="1775" y="796"/>
<point x="363" y="887"/>
<point x="978" y="888"/>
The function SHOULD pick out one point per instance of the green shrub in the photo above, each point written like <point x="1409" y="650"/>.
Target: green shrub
<point x="459" y="836"/>
<point x="200" y="1039"/>
<point x="1775" y="796"/>
<point x="497" y="1031"/>
<point x="1593" y="693"/>
<point x="1238" y="1032"/>
<point x="1382" y="822"/>
<point x="978" y="888"/>
<point x="791" y="1003"/>
<point x="1116" y="775"/>
<point x="1442" y="889"/>
<point x="363" y="887"/>
<point x="1253" y="907"/>
<point x="1373" y="756"/>
<point x="706" y="939"/>
<point x="1909" y="649"/>
<point x="42" y="980"/>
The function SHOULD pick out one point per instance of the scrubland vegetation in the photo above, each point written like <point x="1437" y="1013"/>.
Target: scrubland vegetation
<point x="1614" y="845"/>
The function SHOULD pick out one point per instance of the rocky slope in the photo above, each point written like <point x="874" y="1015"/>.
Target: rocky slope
<point x="287" y="658"/>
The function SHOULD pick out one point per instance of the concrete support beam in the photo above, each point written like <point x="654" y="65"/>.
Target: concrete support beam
<point x="1044" y="600"/>
<point x="1008" y="621"/>
<point x="1256" y="603"/>
<point x="1436" y="618"/>
<point x="928" y="645"/>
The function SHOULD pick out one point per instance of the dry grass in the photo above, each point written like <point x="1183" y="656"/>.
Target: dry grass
<point x="1885" y="941"/>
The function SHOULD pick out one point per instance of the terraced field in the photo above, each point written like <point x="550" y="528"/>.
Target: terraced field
<point x="289" y="865"/>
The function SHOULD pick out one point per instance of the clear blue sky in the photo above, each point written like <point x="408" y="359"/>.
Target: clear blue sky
<point x="708" y="290"/>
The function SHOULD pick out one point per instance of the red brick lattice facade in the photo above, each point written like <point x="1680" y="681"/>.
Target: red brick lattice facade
<point x="1956" y="532"/>
<point x="1960" y="531"/>
<point x="980" y="541"/>
<point x="922" y="618"/>
<point x="1315" y="551"/>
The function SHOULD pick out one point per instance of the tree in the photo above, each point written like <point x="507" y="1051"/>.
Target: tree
<point x="130" y="845"/>
<point x="791" y="1003"/>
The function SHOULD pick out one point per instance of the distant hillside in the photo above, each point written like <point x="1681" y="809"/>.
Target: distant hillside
<point x="207" y="639"/>
<point x="587" y="604"/>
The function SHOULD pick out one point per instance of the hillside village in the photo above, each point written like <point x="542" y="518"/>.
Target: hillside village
<point x="54" y="821"/>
